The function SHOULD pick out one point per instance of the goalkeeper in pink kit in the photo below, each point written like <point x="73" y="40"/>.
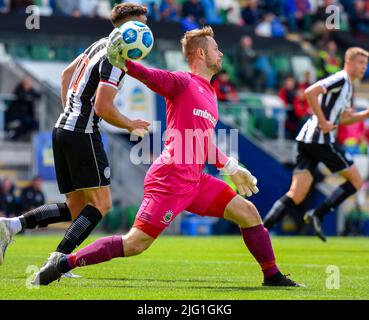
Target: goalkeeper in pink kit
<point x="175" y="181"/>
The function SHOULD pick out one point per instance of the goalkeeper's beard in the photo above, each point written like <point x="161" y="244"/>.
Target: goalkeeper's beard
<point x="213" y="66"/>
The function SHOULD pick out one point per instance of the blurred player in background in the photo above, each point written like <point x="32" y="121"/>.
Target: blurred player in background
<point x="176" y="182"/>
<point x="317" y="143"/>
<point x="89" y="86"/>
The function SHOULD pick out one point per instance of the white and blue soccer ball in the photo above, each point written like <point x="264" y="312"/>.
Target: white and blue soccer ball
<point x="137" y="40"/>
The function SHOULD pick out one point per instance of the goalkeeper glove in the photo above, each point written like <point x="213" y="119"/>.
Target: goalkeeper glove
<point x="242" y="178"/>
<point x="114" y="49"/>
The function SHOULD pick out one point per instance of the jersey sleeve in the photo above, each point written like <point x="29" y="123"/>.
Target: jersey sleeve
<point x="166" y="83"/>
<point x="216" y="157"/>
<point x="110" y="75"/>
<point x="332" y="83"/>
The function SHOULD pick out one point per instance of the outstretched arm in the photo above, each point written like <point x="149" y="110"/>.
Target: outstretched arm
<point x="166" y="83"/>
<point x="350" y="117"/>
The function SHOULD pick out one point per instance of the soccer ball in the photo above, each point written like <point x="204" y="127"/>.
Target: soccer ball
<point x="137" y="40"/>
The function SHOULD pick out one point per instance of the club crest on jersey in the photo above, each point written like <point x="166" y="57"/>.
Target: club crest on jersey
<point x="167" y="217"/>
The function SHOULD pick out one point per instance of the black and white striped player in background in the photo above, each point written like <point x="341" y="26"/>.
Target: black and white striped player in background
<point x="317" y="143"/>
<point x="88" y="88"/>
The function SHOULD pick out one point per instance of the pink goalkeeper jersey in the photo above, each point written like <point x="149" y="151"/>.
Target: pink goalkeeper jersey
<point x="192" y="114"/>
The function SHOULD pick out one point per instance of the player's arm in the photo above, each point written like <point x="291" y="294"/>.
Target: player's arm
<point x="66" y="78"/>
<point x="166" y="83"/>
<point x="104" y="108"/>
<point x="241" y="177"/>
<point x="312" y="93"/>
<point x="350" y="117"/>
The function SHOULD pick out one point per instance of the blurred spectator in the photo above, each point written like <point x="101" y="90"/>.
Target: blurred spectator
<point x="287" y="93"/>
<point x="329" y="62"/>
<point x="307" y="81"/>
<point x="229" y="11"/>
<point x="245" y="58"/>
<point x="301" y="108"/>
<point x="169" y="10"/>
<point x="32" y="196"/>
<point x="290" y="12"/>
<point x="4" y="6"/>
<point x="19" y="6"/>
<point x="359" y="20"/>
<point x="251" y="14"/>
<point x="304" y="14"/>
<point x="88" y="8"/>
<point x="264" y="66"/>
<point x="274" y="6"/>
<point x="298" y="14"/>
<point x="270" y="26"/>
<point x="8" y="202"/>
<point x="211" y="11"/>
<point x="67" y="8"/>
<point x="193" y="11"/>
<point x="224" y="88"/>
<point x="353" y="137"/>
<point x="20" y="116"/>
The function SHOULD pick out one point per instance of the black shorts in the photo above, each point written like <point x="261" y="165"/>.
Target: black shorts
<point x="80" y="160"/>
<point x="332" y="155"/>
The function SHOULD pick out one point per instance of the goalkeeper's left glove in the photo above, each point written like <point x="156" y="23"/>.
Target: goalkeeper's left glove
<point x="114" y="49"/>
<point x="242" y="178"/>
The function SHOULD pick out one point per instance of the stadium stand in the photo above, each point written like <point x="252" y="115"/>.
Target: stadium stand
<point x="260" y="113"/>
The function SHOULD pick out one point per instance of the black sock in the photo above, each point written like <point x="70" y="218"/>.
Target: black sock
<point x="44" y="215"/>
<point x="80" y="229"/>
<point x="280" y="208"/>
<point x="335" y="199"/>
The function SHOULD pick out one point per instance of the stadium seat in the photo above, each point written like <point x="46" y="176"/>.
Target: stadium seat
<point x="130" y="213"/>
<point x="281" y="65"/>
<point x="156" y="59"/>
<point x="230" y="68"/>
<point x="64" y="54"/>
<point x="301" y="64"/>
<point x="19" y="51"/>
<point x="40" y="52"/>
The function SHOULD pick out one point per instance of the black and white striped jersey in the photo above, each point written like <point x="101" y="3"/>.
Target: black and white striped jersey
<point x="336" y="99"/>
<point x="93" y="69"/>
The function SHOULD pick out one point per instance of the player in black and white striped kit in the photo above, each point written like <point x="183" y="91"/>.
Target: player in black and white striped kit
<point x="317" y="143"/>
<point x="89" y="86"/>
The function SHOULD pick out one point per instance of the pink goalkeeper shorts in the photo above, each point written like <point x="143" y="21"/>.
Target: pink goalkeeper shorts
<point x="207" y="197"/>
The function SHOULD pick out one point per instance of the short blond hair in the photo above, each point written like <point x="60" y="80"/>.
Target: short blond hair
<point x="353" y="52"/>
<point x="194" y="39"/>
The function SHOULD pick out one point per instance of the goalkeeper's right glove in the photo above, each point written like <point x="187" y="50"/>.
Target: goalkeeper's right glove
<point x="242" y="178"/>
<point x="114" y="49"/>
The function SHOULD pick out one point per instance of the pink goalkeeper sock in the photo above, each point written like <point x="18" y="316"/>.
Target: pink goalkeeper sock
<point x="101" y="250"/>
<point x="258" y="242"/>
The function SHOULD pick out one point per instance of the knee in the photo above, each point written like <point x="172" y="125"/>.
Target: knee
<point x="104" y="205"/>
<point x="297" y="197"/>
<point x="250" y="215"/>
<point x="358" y="183"/>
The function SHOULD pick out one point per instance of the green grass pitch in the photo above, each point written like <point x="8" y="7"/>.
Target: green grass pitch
<point x="195" y="268"/>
